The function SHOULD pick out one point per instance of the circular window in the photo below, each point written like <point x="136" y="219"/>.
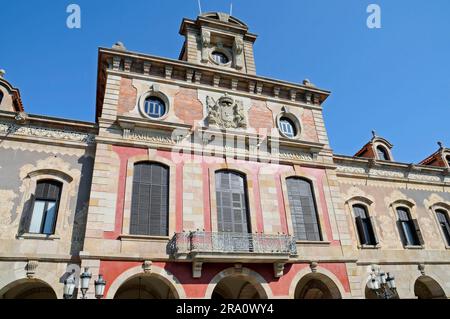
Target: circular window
<point x="154" y="107"/>
<point x="287" y="127"/>
<point x="220" y="58"/>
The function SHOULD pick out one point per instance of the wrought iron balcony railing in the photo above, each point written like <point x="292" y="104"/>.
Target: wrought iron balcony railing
<point x="208" y="242"/>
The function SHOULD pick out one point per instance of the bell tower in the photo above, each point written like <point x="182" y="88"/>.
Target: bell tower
<point x="218" y="40"/>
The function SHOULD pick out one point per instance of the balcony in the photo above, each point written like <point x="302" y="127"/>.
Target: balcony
<point x="200" y="247"/>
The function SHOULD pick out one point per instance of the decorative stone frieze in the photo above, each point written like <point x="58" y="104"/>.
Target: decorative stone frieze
<point x="11" y="129"/>
<point x="146" y="136"/>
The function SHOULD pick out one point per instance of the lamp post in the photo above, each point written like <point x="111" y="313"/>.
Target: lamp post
<point x="382" y="284"/>
<point x="85" y="278"/>
<point x="100" y="285"/>
<point x="69" y="286"/>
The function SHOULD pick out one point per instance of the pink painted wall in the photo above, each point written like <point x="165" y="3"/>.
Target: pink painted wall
<point x="196" y="288"/>
<point x="254" y="168"/>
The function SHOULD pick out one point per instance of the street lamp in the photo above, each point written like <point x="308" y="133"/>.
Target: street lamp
<point x="100" y="285"/>
<point x="382" y="284"/>
<point x="69" y="286"/>
<point x="85" y="277"/>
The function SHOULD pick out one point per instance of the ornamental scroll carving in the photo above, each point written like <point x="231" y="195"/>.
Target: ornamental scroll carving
<point x="226" y="112"/>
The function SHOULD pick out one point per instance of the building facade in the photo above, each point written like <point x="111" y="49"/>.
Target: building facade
<point x="201" y="179"/>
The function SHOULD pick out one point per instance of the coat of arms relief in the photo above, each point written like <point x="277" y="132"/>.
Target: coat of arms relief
<point x="226" y="113"/>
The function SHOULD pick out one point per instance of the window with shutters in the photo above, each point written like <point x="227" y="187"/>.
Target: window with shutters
<point x="409" y="228"/>
<point x="45" y="207"/>
<point x="150" y="200"/>
<point x="382" y="153"/>
<point x="364" y="226"/>
<point x="303" y="209"/>
<point x="232" y="208"/>
<point x="444" y="223"/>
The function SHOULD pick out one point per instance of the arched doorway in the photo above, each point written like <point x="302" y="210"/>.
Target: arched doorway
<point x="146" y="287"/>
<point x="426" y="287"/>
<point x="317" y="286"/>
<point x="238" y="287"/>
<point x="28" y="289"/>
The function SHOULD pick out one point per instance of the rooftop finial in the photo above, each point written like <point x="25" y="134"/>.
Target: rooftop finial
<point x="119" y="46"/>
<point x="441" y="145"/>
<point x="307" y="82"/>
<point x="374" y="134"/>
<point x="2" y="73"/>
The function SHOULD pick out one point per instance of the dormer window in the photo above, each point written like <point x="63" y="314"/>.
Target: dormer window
<point x="1" y="97"/>
<point x="220" y="58"/>
<point x="382" y="153"/>
<point x="448" y="160"/>
<point x="154" y="107"/>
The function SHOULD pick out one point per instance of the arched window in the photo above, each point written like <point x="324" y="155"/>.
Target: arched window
<point x="382" y="153"/>
<point x="1" y="97"/>
<point x="364" y="225"/>
<point x="45" y="207"/>
<point x="232" y="208"/>
<point x="303" y="209"/>
<point x="220" y="58"/>
<point x="448" y="160"/>
<point x="409" y="228"/>
<point x="287" y="127"/>
<point x="442" y="217"/>
<point x="150" y="200"/>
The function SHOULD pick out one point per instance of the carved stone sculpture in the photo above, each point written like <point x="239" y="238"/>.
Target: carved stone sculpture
<point x="226" y="112"/>
<point x="238" y="49"/>
<point x="205" y="42"/>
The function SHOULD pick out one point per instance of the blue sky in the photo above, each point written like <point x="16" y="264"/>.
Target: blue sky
<point x="394" y="79"/>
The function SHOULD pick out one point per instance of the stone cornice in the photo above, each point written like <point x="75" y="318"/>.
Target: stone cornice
<point x="75" y="125"/>
<point x="127" y="63"/>
<point x="391" y="171"/>
<point x="196" y="67"/>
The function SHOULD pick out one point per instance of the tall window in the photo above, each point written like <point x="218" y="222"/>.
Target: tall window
<point x="150" y="200"/>
<point x="448" y="160"/>
<point x="303" y="209"/>
<point x="445" y="224"/>
<point x="364" y="225"/>
<point x="382" y="153"/>
<point x="1" y="97"/>
<point x="45" y="207"/>
<point x="232" y="208"/>
<point x="155" y="107"/>
<point x="409" y="228"/>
